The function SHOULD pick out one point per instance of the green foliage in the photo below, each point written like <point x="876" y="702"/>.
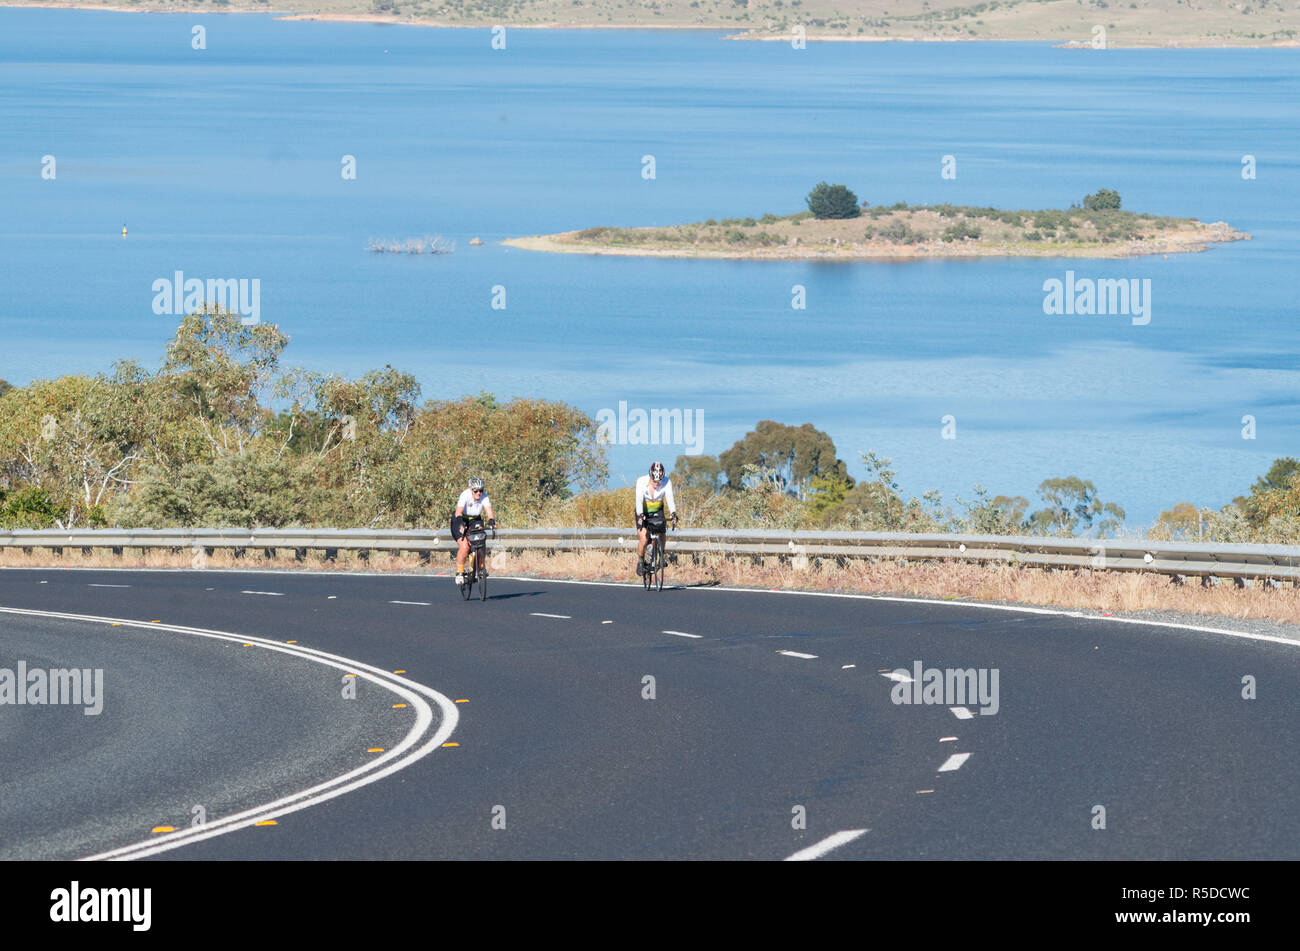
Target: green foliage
<point x="700" y="473"/>
<point x="197" y="443"/>
<point x="832" y="201"/>
<point x="1104" y="198"/>
<point x="961" y="231"/>
<point x="5" y="387"/>
<point x="900" y="232"/>
<point x="1001" y="515"/>
<point x="1071" y="504"/>
<point x="29" y="507"/>
<point x="789" y="456"/>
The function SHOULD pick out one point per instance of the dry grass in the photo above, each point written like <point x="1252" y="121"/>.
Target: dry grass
<point x="1076" y="590"/>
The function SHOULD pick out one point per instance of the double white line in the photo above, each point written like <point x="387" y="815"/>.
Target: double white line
<point x="417" y="743"/>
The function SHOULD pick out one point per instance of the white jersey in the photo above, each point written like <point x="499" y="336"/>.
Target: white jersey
<point x="651" y="501"/>
<point x="470" y="507"/>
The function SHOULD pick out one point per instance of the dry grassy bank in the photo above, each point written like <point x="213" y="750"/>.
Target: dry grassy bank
<point x="1107" y="592"/>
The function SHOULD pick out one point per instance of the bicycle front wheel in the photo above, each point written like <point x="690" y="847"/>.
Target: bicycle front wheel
<point x="482" y="576"/>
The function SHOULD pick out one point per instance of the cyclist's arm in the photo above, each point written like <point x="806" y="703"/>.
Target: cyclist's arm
<point x="487" y="510"/>
<point x="668" y="497"/>
<point x="638" y="507"/>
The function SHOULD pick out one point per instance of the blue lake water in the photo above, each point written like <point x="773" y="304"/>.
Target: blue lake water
<point x="225" y="162"/>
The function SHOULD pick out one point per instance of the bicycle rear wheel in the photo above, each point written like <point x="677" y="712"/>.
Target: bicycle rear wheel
<point x="646" y="576"/>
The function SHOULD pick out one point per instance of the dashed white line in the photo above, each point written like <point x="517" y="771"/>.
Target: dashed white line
<point x="825" y="845"/>
<point x="423" y="604"/>
<point x="898" y="677"/>
<point x="271" y="594"/>
<point x="954" y="762"/>
<point x="684" y="634"/>
<point x="947" y="739"/>
<point x="961" y="713"/>
<point x="109" y="586"/>
<point x="847" y="666"/>
<point x="562" y="617"/>
<point x="797" y="654"/>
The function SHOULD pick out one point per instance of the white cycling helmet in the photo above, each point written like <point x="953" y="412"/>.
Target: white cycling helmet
<point x="657" y="471"/>
<point x="477" y="483"/>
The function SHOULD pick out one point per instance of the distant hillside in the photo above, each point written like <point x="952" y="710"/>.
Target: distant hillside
<point x="1075" y="22"/>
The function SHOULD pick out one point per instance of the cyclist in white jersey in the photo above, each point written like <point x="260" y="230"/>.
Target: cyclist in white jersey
<point x="472" y="505"/>
<point x="653" y="492"/>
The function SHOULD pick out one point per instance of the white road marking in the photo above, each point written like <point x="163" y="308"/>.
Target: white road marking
<point x="898" y="676"/>
<point x="272" y="594"/>
<point x="562" y="617"/>
<point x="332" y="597"/>
<point x="423" y="604"/>
<point x="606" y="622"/>
<point x="847" y="666"/>
<point x="961" y="713"/>
<point x="946" y="739"/>
<point x="404" y="754"/>
<point x="954" y="762"/>
<point x="797" y="654"/>
<point x="109" y="586"/>
<point x="684" y="634"/>
<point x="825" y="845"/>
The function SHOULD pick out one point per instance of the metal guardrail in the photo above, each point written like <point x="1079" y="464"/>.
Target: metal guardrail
<point x="1277" y="562"/>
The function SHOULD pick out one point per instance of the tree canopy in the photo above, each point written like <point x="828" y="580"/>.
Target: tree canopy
<point x="1103" y="199"/>
<point x="794" y="455"/>
<point x="832" y="201"/>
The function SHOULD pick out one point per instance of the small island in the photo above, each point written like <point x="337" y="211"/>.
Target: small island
<point x="836" y="226"/>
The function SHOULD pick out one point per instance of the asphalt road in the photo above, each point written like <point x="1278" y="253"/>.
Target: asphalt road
<point x="565" y="752"/>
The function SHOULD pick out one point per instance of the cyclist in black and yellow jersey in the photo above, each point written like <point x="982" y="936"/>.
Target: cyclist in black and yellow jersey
<point x="653" y="493"/>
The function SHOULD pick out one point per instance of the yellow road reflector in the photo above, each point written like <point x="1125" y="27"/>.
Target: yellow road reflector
<point x="451" y="744"/>
<point x="117" y="623"/>
<point x="375" y="749"/>
<point x="399" y="671"/>
<point x="462" y="701"/>
<point x="398" y="706"/>
<point x="249" y="644"/>
<point x="155" y="622"/>
<point x="157" y="829"/>
<point x="265" y="822"/>
<point x="349" y="675"/>
<point x="291" y="642"/>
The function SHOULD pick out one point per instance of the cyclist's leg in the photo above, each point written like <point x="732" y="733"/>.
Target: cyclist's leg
<point x="462" y="544"/>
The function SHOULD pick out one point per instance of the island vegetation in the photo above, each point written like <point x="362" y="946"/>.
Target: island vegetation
<point x="836" y="225"/>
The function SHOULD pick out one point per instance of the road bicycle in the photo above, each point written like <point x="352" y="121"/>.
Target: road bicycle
<point x="476" y="569"/>
<point x="654" y="553"/>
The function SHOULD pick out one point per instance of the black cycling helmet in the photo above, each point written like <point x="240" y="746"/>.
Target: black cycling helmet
<point x="657" y="471"/>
